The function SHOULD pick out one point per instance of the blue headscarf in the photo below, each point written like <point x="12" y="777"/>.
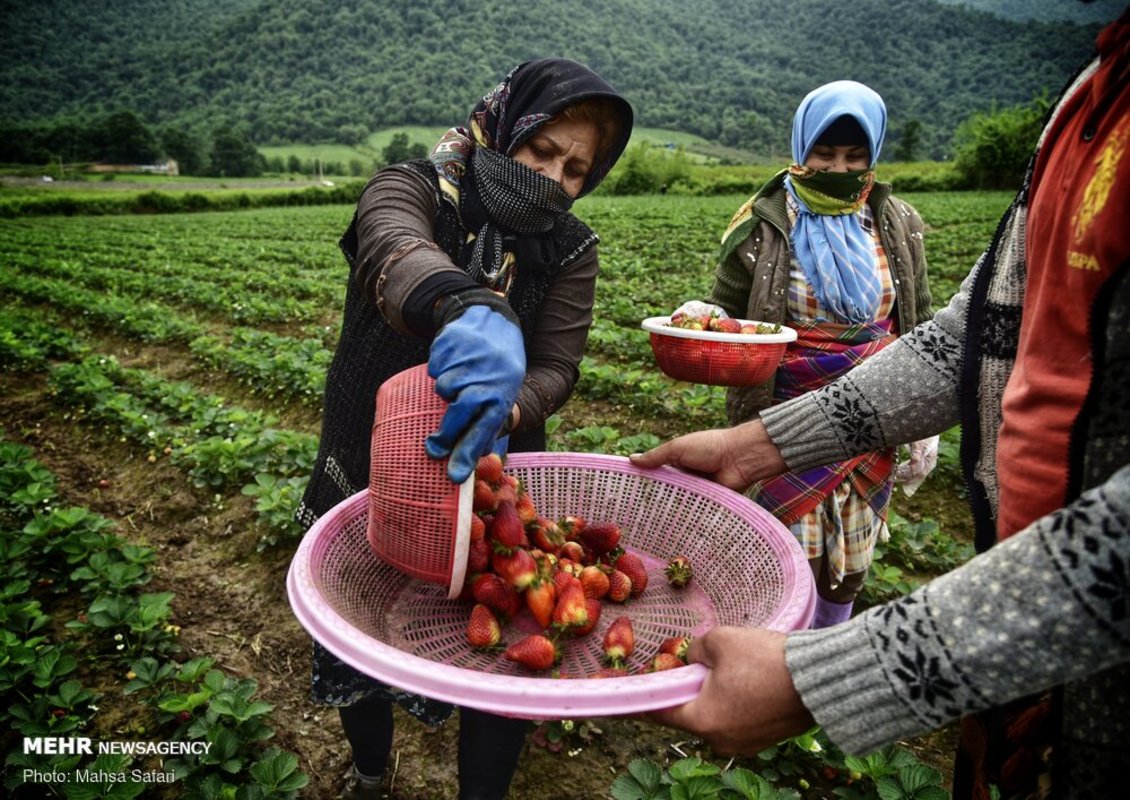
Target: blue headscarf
<point x="836" y="254"/>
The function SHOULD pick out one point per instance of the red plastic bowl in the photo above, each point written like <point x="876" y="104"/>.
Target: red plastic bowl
<point x="719" y="359"/>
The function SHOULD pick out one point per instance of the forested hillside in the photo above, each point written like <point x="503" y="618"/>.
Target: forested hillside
<point x="295" y="71"/>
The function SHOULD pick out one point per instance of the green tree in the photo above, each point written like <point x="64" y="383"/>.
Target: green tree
<point x="185" y="149"/>
<point x="993" y="148"/>
<point x="399" y="149"/>
<point x="234" y="155"/>
<point x="909" y="141"/>
<point x="352" y="134"/>
<point x="122" y="138"/>
<point x="294" y="163"/>
<point x="70" y="142"/>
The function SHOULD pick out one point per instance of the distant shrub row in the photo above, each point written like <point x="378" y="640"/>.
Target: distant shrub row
<point x="644" y="170"/>
<point x="153" y="202"/>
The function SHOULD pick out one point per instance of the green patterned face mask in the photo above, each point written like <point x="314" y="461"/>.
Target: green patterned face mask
<point x="832" y="193"/>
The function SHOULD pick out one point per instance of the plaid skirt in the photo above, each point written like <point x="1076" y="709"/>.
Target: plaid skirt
<point x="843" y="529"/>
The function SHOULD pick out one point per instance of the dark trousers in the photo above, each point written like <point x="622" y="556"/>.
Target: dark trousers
<point x="489" y="746"/>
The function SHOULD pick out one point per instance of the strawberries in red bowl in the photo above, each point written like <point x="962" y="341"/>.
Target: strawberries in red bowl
<point x="719" y="351"/>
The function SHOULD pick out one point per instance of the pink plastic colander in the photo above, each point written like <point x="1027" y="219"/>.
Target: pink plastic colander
<point x="749" y="571"/>
<point x="418" y="520"/>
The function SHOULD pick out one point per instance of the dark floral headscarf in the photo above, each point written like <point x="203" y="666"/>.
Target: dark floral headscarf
<point x="507" y="207"/>
<point x="528" y="97"/>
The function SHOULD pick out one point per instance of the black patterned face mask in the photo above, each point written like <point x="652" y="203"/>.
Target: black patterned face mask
<point x="510" y="208"/>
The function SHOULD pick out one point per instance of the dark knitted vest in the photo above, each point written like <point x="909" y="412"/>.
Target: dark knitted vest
<point x="370" y="351"/>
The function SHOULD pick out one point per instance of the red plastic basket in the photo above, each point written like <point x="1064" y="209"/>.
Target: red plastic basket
<point x="418" y="520"/>
<point x="719" y="359"/>
<point x="749" y="571"/>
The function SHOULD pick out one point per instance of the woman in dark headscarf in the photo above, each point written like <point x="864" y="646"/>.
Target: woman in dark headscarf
<point x="826" y="249"/>
<point x="468" y="260"/>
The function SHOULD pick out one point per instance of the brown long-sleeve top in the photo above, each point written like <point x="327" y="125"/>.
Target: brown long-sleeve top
<point x="396" y="253"/>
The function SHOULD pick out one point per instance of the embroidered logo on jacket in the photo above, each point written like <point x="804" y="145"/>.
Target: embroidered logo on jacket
<point x="1096" y="195"/>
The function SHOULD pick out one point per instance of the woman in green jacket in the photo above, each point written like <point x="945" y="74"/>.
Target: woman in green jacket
<point x="825" y="249"/>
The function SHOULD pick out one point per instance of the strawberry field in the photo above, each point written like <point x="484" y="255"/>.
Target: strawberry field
<point x="159" y="412"/>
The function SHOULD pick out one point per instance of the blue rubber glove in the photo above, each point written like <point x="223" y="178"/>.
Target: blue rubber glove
<point x="478" y="361"/>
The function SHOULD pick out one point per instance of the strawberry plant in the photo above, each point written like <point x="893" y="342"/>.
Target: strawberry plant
<point x="42" y="692"/>
<point x="122" y="626"/>
<point x="896" y="774"/>
<point x="693" y="778"/>
<point x="196" y="702"/>
<point x="276" y="500"/>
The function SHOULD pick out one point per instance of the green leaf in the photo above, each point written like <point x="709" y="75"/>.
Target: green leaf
<point x="916" y="777"/>
<point x="698" y="787"/>
<point x="889" y="788"/>
<point x="686" y="768"/>
<point x="278" y="771"/>
<point x="192" y="670"/>
<point x="747" y="784"/>
<point x="184" y="702"/>
<point x="643" y="782"/>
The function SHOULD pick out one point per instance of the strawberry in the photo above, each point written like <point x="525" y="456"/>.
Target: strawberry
<point x="489" y="469"/>
<point x="572" y="551"/>
<point x="595" y="582"/>
<point x="571" y="526"/>
<point x="562" y="579"/>
<point x="665" y="661"/>
<point x="545" y="534"/>
<point x="506" y="530"/>
<point x="676" y="646"/>
<point x="678" y="571"/>
<point x="631" y="565"/>
<point x="619" y="641"/>
<point x="725" y="325"/>
<point x="619" y="586"/>
<point x="465" y="594"/>
<point x="527" y="511"/>
<point x="494" y="592"/>
<point x="535" y="652"/>
<point x="485" y="498"/>
<point x="593" y="607"/>
<point x="569" y="565"/>
<point x="601" y="537"/>
<point x="517" y="568"/>
<point x="478" y="555"/>
<point x="483" y="631"/>
<point x="509" y="489"/>
<point x="478" y="527"/>
<point x="541" y="596"/>
<point x="570" y="610"/>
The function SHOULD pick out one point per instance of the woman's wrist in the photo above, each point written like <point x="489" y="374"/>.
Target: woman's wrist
<point x="757" y="456"/>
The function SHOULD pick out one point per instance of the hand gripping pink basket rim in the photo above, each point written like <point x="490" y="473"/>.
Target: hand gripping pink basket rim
<point x="533" y="697"/>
